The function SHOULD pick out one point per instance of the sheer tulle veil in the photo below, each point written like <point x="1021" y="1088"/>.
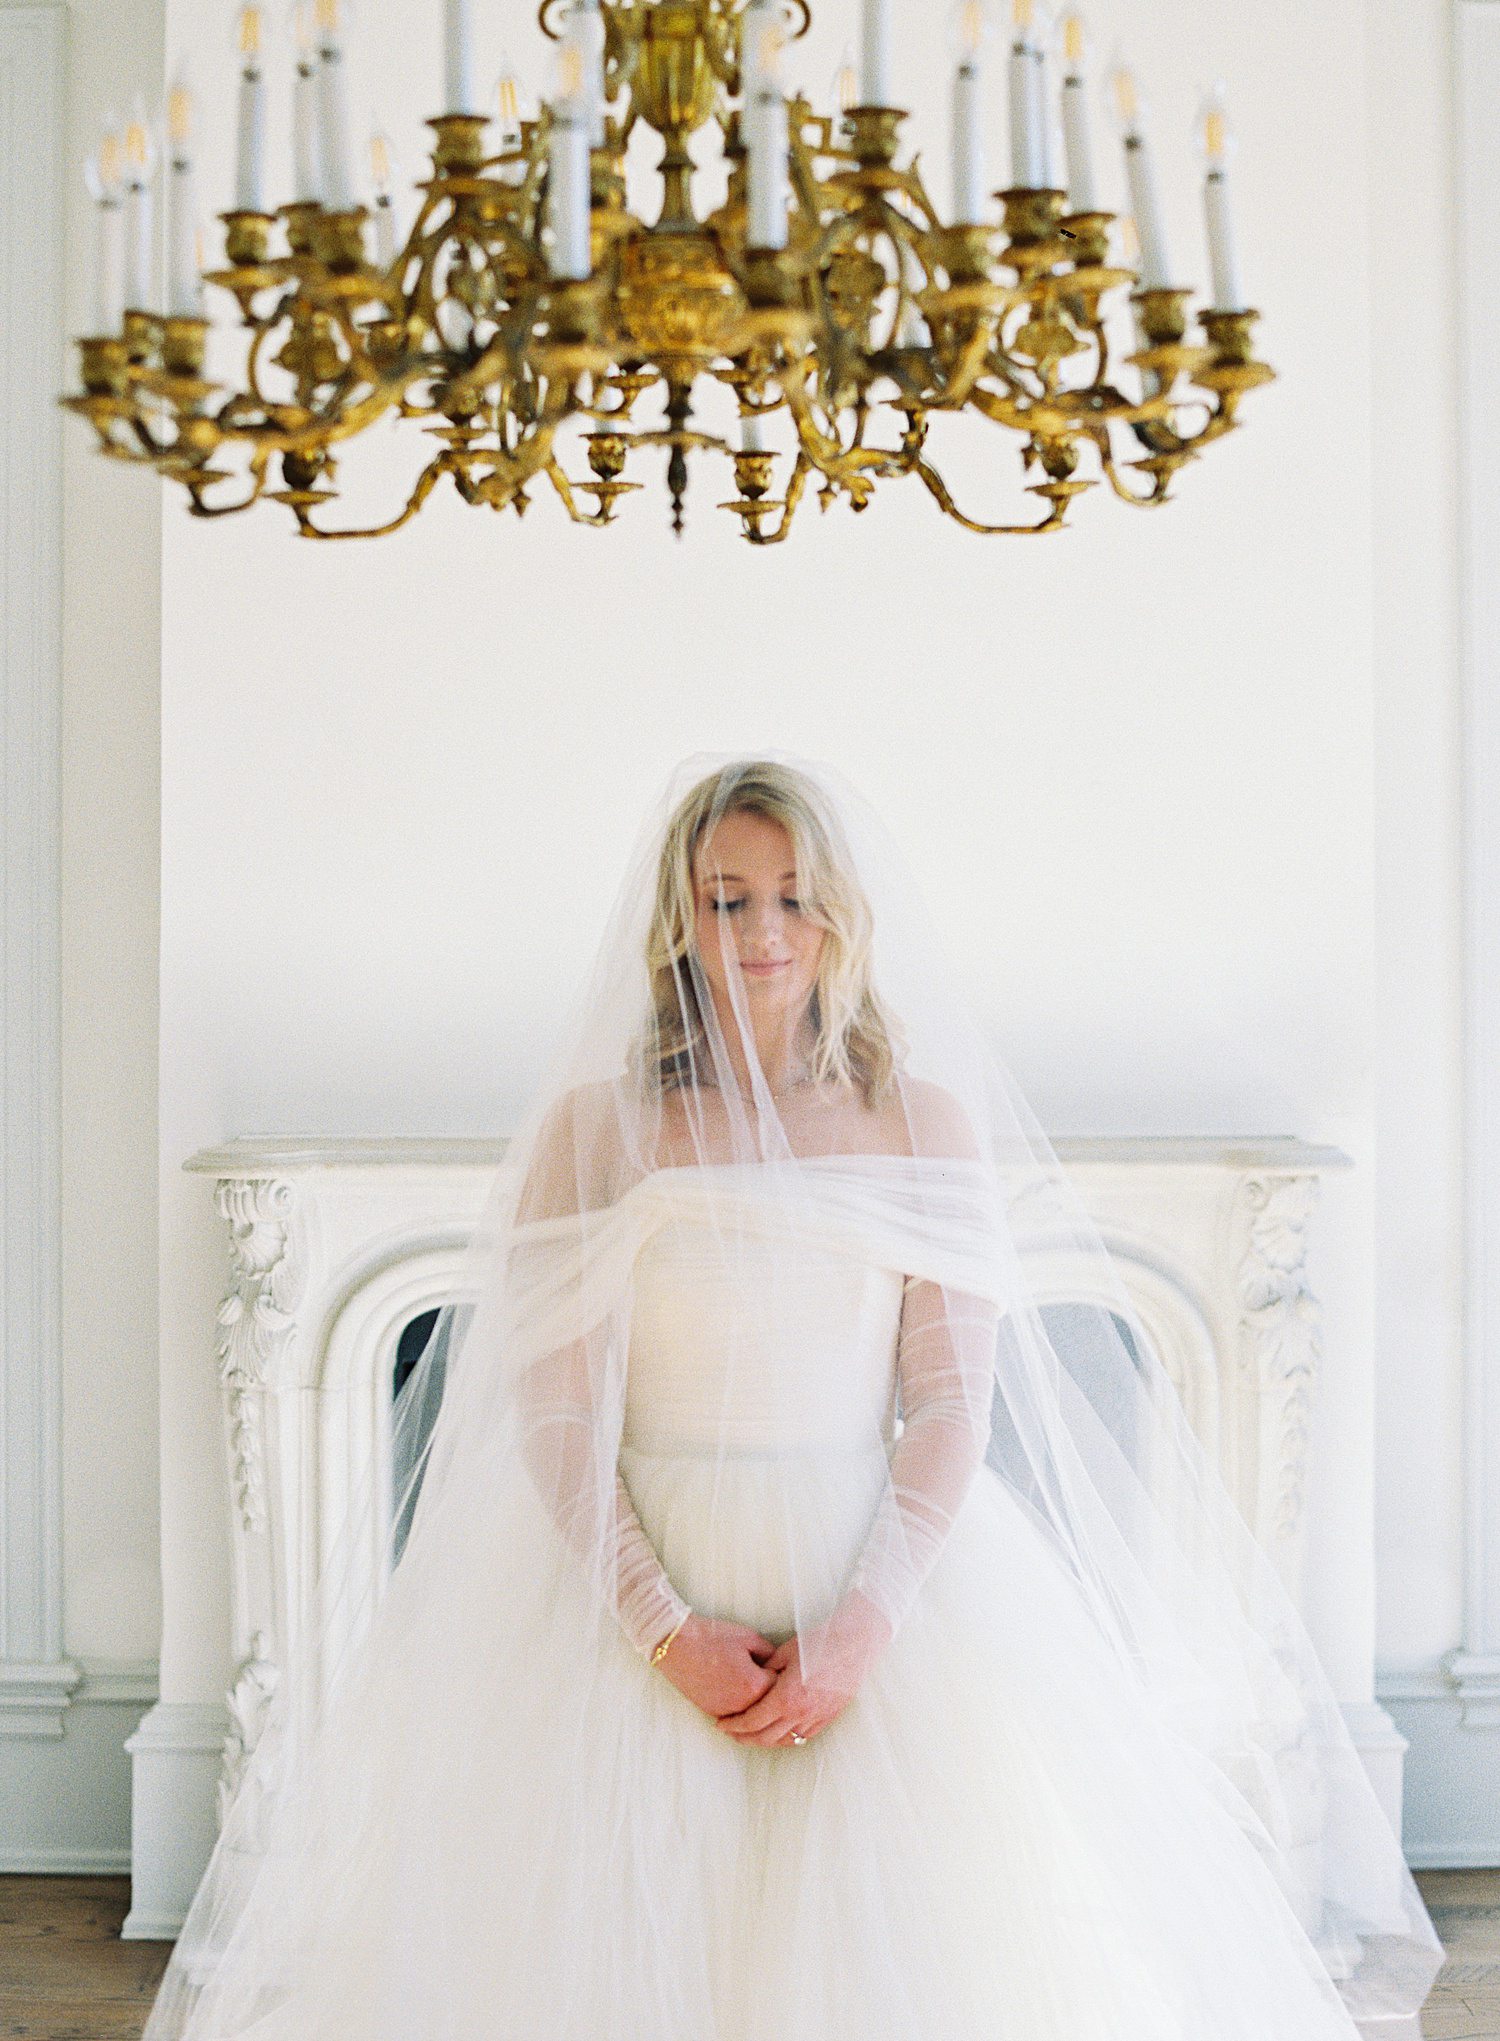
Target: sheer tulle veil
<point x="504" y="1503"/>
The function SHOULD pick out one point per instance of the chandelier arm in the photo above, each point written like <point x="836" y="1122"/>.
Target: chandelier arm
<point x="318" y="432"/>
<point x="595" y="519"/>
<point x="939" y="489"/>
<point x="796" y="489"/>
<point x="974" y="357"/>
<point x="426" y="482"/>
<point x="556" y="476"/>
<point x="1161" y="478"/>
<point x="1216" y="423"/>
<point x="152" y="449"/>
<point x="197" y="507"/>
<point x="853" y="470"/>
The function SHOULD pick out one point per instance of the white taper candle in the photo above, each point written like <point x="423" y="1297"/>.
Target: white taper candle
<point x="968" y="118"/>
<point x="508" y="101"/>
<point x="1025" y="140"/>
<point x="767" y="136"/>
<point x="458" y="56"/>
<point x="184" y="292"/>
<point x="1083" y="195"/>
<point x="102" y="175"/>
<point x="1041" y="93"/>
<point x="140" y="161"/>
<point x="339" y="193"/>
<point x="588" y="27"/>
<point x="1228" y="291"/>
<point x="1140" y="173"/>
<point x="568" y="167"/>
<point x="385" y="211"/>
<point x="307" y="162"/>
<point x="875" y="53"/>
<point x="250" y="136"/>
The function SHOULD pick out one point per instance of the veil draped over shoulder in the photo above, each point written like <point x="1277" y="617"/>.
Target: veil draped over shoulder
<point x="898" y="1181"/>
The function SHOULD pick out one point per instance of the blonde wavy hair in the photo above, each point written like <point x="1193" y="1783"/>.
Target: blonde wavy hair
<point x="858" y="1039"/>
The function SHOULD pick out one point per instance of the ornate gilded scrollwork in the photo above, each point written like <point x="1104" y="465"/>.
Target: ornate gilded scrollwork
<point x="875" y="319"/>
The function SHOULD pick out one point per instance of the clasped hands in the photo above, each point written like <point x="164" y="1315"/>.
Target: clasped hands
<point x="757" y="1691"/>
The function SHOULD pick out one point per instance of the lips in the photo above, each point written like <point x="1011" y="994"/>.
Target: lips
<point x="765" y="970"/>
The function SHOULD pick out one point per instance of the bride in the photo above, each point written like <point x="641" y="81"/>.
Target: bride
<point x="798" y="1621"/>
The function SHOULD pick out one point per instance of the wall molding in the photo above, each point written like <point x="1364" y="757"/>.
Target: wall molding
<point x="1452" y="1795"/>
<point x="36" y="1680"/>
<point x="65" y="1798"/>
<point x="1474" y="1667"/>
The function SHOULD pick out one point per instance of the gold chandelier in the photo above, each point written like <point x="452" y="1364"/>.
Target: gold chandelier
<point x="533" y="323"/>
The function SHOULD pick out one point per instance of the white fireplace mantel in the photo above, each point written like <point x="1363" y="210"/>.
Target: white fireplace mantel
<point x="336" y="1246"/>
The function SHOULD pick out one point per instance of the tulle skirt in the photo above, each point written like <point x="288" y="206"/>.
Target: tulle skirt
<point x="994" y="1842"/>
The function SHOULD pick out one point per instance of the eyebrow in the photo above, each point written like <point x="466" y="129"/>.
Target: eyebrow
<point x="734" y="879"/>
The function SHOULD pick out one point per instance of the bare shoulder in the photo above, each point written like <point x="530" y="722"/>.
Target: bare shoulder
<point x="940" y="1124"/>
<point x="574" y="1155"/>
<point x="583" y="1107"/>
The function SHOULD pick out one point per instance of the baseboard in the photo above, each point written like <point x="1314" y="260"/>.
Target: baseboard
<point x="65" y="1861"/>
<point x="176" y="1754"/>
<point x="1452" y="1791"/>
<point x="65" y="1791"/>
<point x="1382" y="1747"/>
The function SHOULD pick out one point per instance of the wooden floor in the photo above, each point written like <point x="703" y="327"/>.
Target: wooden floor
<point x="65" y="1975"/>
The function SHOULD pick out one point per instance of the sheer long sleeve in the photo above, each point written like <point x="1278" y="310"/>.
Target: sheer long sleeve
<point x="586" y="1496"/>
<point x="567" y="1396"/>
<point x="945" y="1371"/>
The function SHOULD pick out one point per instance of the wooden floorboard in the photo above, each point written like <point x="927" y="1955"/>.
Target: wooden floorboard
<point x="65" y="1975"/>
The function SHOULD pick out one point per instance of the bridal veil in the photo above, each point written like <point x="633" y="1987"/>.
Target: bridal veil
<point x="506" y="1501"/>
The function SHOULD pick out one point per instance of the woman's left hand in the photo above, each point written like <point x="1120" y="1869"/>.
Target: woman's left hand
<point x="843" y="1650"/>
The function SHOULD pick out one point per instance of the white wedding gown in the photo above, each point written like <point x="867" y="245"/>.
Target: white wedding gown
<point x="994" y="1842"/>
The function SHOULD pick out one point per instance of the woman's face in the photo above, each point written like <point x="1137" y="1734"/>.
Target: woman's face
<point x="745" y="871"/>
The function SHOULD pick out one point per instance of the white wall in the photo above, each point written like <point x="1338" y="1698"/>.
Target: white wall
<point x="1414" y="531"/>
<point x="65" y="1798"/>
<point x="1135" y="763"/>
<point x="111" y="884"/>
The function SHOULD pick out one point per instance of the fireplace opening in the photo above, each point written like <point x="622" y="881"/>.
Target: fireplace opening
<point x="416" y="1403"/>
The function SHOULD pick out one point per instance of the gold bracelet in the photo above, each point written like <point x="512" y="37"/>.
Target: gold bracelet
<point x="661" y="1650"/>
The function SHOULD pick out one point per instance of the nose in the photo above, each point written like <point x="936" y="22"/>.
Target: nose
<point x="764" y="934"/>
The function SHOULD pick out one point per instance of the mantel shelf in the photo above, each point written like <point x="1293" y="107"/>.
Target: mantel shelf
<point x="254" y="1154"/>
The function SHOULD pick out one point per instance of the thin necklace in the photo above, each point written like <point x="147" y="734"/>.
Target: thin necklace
<point x="810" y="1077"/>
<point x="796" y="1083"/>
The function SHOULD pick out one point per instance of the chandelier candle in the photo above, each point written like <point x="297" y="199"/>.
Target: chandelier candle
<point x="1041" y="88"/>
<point x="1025" y="141"/>
<point x="508" y="97"/>
<point x="458" y="55"/>
<point x="760" y="45"/>
<point x="385" y="211"/>
<point x="250" y="135"/>
<point x="767" y="137"/>
<point x="339" y="194"/>
<point x="140" y="162"/>
<point x="1082" y="194"/>
<point x="307" y="165"/>
<point x="1228" y="294"/>
<point x="588" y="30"/>
<point x="969" y="178"/>
<point x="101" y="173"/>
<point x="568" y="167"/>
<point x="1140" y="174"/>
<point x="875" y="50"/>
<point x="184" y="292"/>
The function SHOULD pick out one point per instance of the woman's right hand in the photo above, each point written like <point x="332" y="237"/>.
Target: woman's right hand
<point x="719" y="1666"/>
